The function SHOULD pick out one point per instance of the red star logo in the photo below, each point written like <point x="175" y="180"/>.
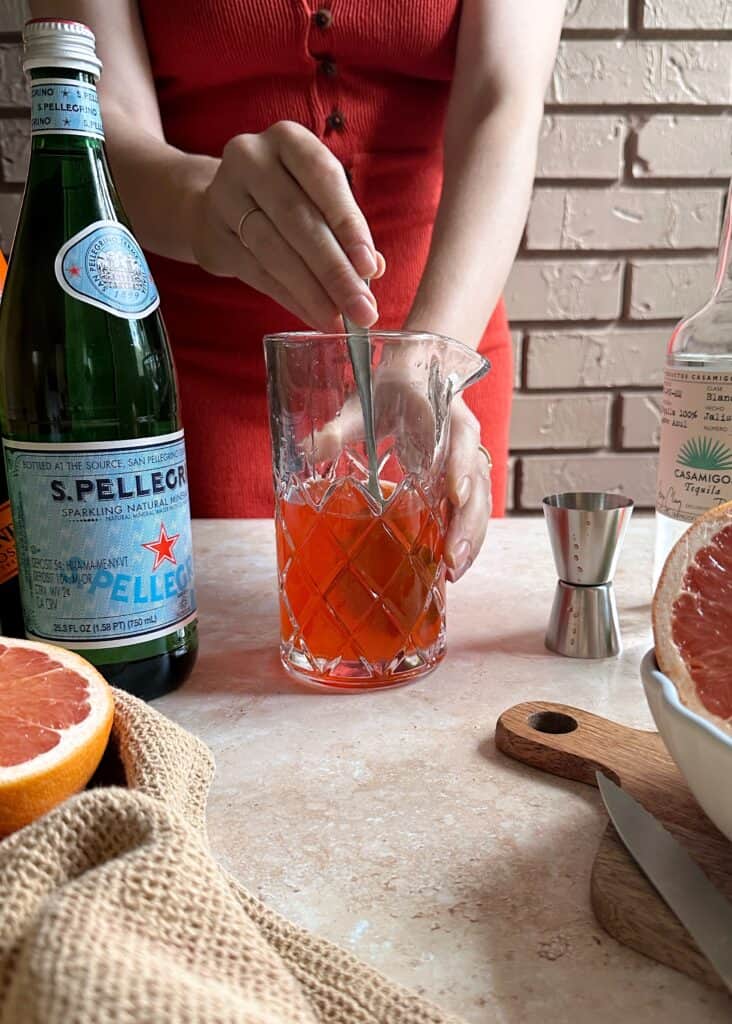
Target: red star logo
<point x="74" y="270"/>
<point x="162" y="548"/>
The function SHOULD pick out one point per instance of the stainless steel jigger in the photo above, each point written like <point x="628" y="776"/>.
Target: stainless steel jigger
<point x="586" y="529"/>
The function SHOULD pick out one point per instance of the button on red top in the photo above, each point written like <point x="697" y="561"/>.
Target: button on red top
<point x="336" y="121"/>
<point x="323" y="18"/>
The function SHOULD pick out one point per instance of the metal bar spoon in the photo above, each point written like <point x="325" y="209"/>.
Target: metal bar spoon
<point x="359" y="351"/>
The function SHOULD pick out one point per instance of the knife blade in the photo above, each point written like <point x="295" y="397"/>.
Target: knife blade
<point x="699" y="905"/>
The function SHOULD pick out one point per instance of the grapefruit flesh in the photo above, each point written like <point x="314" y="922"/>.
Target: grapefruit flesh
<point x="702" y="620"/>
<point x="692" y="615"/>
<point x="56" y="714"/>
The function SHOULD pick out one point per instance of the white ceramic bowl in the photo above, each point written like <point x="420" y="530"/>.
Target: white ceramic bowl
<point x="701" y="750"/>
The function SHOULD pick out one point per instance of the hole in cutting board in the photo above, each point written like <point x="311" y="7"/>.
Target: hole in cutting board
<point x="552" y="721"/>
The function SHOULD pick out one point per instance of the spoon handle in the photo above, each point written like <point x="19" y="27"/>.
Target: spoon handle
<point x="359" y="350"/>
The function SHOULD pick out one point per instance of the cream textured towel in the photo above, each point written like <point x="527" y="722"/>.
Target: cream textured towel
<point x="112" y="910"/>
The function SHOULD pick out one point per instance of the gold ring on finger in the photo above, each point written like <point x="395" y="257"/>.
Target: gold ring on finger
<point x="484" y="451"/>
<point x="242" y="221"/>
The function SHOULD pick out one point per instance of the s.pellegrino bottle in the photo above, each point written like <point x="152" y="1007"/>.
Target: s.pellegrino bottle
<point x="695" y="460"/>
<point x="11" y="615"/>
<point x="89" y="411"/>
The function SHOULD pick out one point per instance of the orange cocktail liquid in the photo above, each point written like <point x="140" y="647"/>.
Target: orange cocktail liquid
<point x="362" y="594"/>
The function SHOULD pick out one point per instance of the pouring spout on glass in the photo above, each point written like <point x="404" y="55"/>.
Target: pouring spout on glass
<point x="459" y="364"/>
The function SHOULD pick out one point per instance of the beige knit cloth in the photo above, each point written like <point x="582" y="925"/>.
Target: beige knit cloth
<point x="112" y="909"/>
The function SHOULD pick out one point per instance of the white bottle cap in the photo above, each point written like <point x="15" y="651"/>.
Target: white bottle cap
<point x="59" y="44"/>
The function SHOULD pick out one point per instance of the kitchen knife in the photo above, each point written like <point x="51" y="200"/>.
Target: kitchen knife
<point x="702" y="909"/>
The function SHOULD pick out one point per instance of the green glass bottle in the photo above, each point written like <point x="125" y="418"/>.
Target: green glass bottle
<point x="89" y="410"/>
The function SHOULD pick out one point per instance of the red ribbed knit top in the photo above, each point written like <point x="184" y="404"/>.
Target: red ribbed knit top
<point x="371" y="79"/>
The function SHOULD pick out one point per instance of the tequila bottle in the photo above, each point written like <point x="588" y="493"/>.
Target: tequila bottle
<point x="695" y="463"/>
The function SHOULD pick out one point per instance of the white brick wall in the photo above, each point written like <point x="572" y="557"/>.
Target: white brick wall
<point x="561" y="421"/>
<point x="9" y="208"/>
<point x="683" y="146"/>
<point x="596" y="14"/>
<point x="14" y="149"/>
<point x="635" y="150"/>
<point x="668" y="288"/>
<point x="14" y="118"/>
<point x="634" y="157"/>
<point x="633" y="474"/>
<point x="595" y="142"/>
<point x="681" y="14"/>
<point x="607" y="357"/>
<point x="623" y="218"/>
<point x="641" y="421"/>
<point x="13" y="85"/>
<point x="559" y="289"/>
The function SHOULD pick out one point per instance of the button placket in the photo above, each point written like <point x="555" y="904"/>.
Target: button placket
<point x="322" y="21"/>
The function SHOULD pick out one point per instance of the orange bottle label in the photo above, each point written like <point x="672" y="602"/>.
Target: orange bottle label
<point x="8" y="558"/>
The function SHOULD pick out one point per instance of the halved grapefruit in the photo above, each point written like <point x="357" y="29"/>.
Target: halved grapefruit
<point x="692" y="616"/>
<point x="56" y="714"/>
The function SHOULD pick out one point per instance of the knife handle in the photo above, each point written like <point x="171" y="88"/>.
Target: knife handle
<point x="572" y="743"/>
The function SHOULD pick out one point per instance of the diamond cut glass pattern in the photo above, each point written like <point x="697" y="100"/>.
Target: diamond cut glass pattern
<point x="362" y="584"/>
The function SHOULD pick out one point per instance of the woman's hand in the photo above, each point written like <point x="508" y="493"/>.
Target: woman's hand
<point x="279" y="214"/>
<point x="403" y="410"/>
<point x="469" y="491"/>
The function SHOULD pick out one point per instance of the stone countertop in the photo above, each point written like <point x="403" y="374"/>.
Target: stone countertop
<point x="389" y="823"/>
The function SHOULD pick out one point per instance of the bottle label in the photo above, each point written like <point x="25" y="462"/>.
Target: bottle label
<point x="8" y="558"/>
<point x="695" y="468"/>
<point x="61" y="106"/>
<point x="104" y="266"/>
<point x="103" y="535"/>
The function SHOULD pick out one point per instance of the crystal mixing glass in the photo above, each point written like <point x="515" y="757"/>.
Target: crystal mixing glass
<point x="361" y="585"/>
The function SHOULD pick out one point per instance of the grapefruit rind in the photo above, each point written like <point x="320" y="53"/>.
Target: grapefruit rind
<point x="31" y="788"/>
<point x="668" y="590"/>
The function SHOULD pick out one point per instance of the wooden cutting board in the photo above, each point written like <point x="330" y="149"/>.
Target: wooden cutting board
<point x="574" y="744"/>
